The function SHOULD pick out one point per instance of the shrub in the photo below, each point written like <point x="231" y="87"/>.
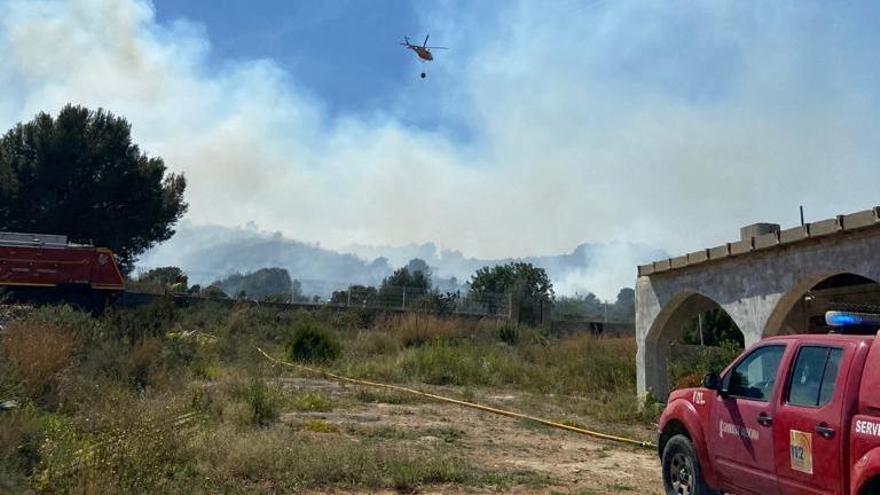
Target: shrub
<point x="444" y="363"/>
<point x="414" y="330"/>
<point x="261" y="402"/>
<point x="20" y="439"/>
<point x="688" y="364"/>
<point x="509" y="334"/>
<point x="312" y="402"/>
<point x="34" y="354"/>
<point x="107" y="359"/>
<point x="356" y="318"/>
<point x="82" y="325"/>
<point x="144" y="363"/>
<point x="372" y="343"/>
<point x="320" y="426"/>
<point x="313" y="342"/>
<point x="130" y="447"/>
<point x="152" y="320"/>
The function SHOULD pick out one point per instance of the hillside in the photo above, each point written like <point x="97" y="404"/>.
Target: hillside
<point x="208" y="253"/>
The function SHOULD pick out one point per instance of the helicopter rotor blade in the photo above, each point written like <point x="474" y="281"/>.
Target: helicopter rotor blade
<point x="437" y="47"/>
<point x="425" y="44"/>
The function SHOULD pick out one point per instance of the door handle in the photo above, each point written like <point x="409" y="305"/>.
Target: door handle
<point x="825" y="431"/>
<point x="765" y="420"/>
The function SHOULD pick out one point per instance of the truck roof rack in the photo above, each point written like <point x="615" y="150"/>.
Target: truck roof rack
<point x="24" y="239"/>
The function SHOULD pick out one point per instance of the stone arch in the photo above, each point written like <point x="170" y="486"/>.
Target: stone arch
<point x="667" y="327"/>
<point x="791" y="314"/>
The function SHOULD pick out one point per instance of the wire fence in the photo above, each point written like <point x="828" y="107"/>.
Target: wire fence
<point x="420" y="299"/>
<point x="383" y="297"/>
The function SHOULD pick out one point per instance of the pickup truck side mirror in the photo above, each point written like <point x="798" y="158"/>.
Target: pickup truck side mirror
<point x="712" y="381"/>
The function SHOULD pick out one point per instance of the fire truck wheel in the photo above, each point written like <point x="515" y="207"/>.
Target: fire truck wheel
<point x="681" y="469"/>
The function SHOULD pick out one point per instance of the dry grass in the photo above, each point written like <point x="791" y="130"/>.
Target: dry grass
<point x="121" y="378"/>
<point x="35" y="354"/>
<point x="281" y="460"/>
<point x="20" y="439"/>
<point x="417" y="329"/>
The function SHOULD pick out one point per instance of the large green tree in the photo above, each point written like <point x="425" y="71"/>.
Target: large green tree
<point x="524" y="278"/>
<point x="263" y="283"/>
<point x="80" y="174"/>
<point x="166" y="277"/>
<point x="528" y="284"/>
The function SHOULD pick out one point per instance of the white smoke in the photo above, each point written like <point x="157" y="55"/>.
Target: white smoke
<point x="645" y="122"/>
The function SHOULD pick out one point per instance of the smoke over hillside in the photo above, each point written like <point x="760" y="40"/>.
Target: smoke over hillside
<point x="209" y="253"/>
<point x="549" y="124"/>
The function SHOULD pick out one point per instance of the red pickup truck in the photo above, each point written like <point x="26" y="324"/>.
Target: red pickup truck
<point x="795" y="414"/>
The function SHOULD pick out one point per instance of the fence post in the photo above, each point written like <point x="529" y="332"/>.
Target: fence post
<point x="403" y="306"/>
<point x="547" y="315"/>
<point x="347" y="304"/>
<point x="515" y="310"/>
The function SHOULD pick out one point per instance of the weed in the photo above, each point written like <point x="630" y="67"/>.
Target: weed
<point x="259" y="404"/>
<point x="414" y="330"/>
<point x="688" y="364"/>
<point x="447" y="434"/>
<point x="509" y="334"/>
<point x="298" y="462"/>
<point x="144" y="356"/>
<point x="313" y="342"/>
<point x="386" y="397"/>
<point x="152" y="320"/>
<point x="121" y="379"/>
<point x="130" y="448"/>
<point x="319" y="426"/>
<point x="34" y="355"/>
<point x="311" y="401"/>
<point x="20" y="439"/>
<point x="573" y="423"/>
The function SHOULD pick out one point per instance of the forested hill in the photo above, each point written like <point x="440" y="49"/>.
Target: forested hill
<point x="208" y="253"/>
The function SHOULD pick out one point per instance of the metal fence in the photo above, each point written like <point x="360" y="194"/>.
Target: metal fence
<point x="419" y="299"/>
<point x="389" y="298"/>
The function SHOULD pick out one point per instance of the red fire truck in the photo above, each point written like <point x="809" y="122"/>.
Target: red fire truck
<point x="797" y="414"/>
<point x="48" y="267"/>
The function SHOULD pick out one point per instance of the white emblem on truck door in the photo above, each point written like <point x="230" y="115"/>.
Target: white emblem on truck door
<point x="736" y="430"/>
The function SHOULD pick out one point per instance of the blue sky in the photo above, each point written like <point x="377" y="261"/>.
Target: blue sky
<point x="345" y="51"/>
<point x="547" y="124"/>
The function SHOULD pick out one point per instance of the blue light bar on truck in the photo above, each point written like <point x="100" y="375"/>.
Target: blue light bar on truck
<point x="851" y="319"/>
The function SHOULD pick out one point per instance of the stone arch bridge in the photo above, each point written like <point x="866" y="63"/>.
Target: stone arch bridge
<point x="770" y="282"/>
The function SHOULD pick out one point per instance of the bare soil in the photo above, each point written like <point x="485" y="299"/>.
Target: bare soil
<point x="557" y="461"/>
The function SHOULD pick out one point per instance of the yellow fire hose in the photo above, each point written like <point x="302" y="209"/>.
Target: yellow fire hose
<point x="502" y="412"/>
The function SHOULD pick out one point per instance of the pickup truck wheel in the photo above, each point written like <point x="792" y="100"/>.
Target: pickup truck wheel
<point x="681" y="469"/>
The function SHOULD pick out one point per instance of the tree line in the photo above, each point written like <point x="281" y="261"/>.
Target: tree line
<point x="80" y="174"/>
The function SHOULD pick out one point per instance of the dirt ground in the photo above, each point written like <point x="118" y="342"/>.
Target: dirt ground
<point x="559" y="461"/>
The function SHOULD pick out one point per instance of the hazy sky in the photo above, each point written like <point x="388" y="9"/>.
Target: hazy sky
<point x="547" y="123"/>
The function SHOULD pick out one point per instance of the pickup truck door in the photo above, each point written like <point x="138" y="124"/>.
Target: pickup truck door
<point x="740" y="431"/>
<point x="808" y="430"/>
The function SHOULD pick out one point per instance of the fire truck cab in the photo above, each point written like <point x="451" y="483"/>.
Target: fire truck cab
<point x="795" y="414"/>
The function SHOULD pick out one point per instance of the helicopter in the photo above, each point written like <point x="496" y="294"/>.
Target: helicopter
<point x="423" y="51"/>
